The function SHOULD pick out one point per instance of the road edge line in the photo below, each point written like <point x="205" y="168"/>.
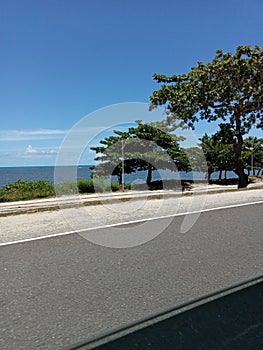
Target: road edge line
<point x="127" y="223"/>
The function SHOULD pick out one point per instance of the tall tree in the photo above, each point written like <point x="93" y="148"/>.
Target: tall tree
<point x="228" y="89"/>
<point x="163" y="147"/>
<point x="109" y="156"/>
<point x="210" y="150"/>
<point x="219" y="155"/>
<point x="197" y="158"/>
<point x="144" y="147"/>
<point x="252" y="154"/>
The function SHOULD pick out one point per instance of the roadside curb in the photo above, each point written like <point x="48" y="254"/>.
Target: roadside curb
<point x="75" y="202"/>
<point x="50" y="204"/>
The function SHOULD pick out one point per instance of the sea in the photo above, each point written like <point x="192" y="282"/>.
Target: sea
<point x="10" y="175"/>
<point x="53" y="174"/>
<point x="64" y="174"/>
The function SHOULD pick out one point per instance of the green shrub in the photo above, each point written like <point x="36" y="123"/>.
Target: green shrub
<point x="25" y="190"/>
<point x="86" y="186"/>
<point x="115" y="187"/>
<point x="66" y="188"/>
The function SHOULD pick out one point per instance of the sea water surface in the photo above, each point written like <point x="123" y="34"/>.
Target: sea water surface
<point x="12" y="174"/>
<point x="35" y="173"/>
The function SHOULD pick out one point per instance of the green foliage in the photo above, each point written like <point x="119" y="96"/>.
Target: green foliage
<point x="66" y="188"/>
<point x="22" y="190"/>
<point x="115" y="187"/>
<point x="144" y="147"/>
<point x="27" y="190"/>
<point x="85" y="186"/>
<point x="227" y="89"/>
<point x="196" y="158"/>
<point x="220" y="156"/>
<point x="252" y="154"/>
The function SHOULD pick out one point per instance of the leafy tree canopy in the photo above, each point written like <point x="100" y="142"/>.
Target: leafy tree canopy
<point x="144" y="147"/>
<point x="229" y="89"/>
<point x="220" y="156"/>
<point x="252" y="154"/>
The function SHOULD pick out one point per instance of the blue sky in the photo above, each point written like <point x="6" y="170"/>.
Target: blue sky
<point x="62" y="60"/>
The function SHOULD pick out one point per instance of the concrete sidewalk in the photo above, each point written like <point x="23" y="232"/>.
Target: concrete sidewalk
<point x="31" y="206"/>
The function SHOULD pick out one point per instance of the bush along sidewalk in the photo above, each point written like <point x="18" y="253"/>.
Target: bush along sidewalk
<point x="27" y="190"/>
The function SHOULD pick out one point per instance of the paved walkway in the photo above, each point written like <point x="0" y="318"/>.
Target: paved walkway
<point x="20" y="207"/>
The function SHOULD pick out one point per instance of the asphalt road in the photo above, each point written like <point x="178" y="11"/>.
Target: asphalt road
<point x="59" y="291"/>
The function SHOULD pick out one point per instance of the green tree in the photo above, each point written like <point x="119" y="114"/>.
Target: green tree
<point x="252" y="154"/>
<point x="109" y="154"/>
<point x="228" y="89"/>
<point x="210" y="150"/>
<point x="196" y="158"/>
<point x="163" y="147"/>
<point x="219" y="155"/>
<point x="144" y="147"/>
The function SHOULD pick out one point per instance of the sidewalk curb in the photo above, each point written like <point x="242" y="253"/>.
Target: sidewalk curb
<point x="30" y="207"/>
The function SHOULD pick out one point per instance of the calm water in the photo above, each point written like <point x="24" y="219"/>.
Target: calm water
<point x="10" y="175"/>
<point x="65" y="174"/>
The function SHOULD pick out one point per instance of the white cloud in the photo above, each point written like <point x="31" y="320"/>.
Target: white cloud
<point x="23" y="135"/>
<point x="30" y="149"/>
<point x="39" y="151"/>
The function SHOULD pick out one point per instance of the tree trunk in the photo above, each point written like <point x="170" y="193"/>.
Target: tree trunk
<point x="242" y="176"/>
<point x="225" y="174"/>
<point x="209" y="173"/>
<point x="220" y="175"/>
<point x="120" y="178"/>
<point x="149" y="174"/>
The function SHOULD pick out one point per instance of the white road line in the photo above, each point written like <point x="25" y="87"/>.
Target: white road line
<point x="127" y="223"/>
